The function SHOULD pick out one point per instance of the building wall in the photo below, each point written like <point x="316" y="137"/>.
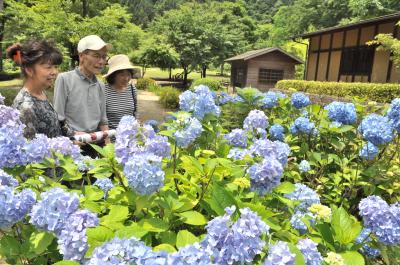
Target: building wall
<point x="273" y="60"/>
<point x="325" y="53"/>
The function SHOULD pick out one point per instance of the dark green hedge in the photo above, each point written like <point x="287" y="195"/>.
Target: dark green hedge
<point x="371" y="91"/>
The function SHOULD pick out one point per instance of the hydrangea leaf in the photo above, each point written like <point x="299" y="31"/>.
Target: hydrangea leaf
<point x="345" y="228"/>
<point x="220" y="199"/>
<point x="353" y="258"/>
<point x="133" y="230"/>
<point x="164" y="247"/>
<point x="67" y="262"/>
<point x="193" y="218"/>
<point x="299" y="259"/>
<point x="40" y="241"/>
<point x="184" y="238"/>
<point x="154" y="225"/>
<point x="285" y="187"/>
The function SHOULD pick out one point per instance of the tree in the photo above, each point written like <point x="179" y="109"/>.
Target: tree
<point x="160" y="55"/>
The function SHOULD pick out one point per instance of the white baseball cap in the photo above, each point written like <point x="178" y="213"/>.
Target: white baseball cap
<point x="92" y="42"/>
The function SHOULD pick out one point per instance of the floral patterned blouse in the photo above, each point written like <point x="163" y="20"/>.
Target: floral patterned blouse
<point x="38" y="115"/>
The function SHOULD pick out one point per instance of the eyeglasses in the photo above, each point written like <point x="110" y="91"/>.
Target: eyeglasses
<point x="98" y="56"/>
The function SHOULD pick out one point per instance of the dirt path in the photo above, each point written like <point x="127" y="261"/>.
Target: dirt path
<point x="149" y="108"/>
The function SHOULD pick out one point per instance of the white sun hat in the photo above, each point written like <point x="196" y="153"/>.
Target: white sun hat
<point x="92" y="42"/>
<point x="118" y="62"/>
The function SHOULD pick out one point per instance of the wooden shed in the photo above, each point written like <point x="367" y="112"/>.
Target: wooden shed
<point x="262" y="68"/>
<point x="341" y="53"/>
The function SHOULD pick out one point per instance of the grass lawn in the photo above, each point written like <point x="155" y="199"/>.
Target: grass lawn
<point x="15" y="83"/>
<point x="158" y="73"/>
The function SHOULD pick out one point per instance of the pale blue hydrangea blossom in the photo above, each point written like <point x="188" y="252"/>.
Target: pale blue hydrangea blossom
<point x="297" y="221"/>
<point x="238" y="153"/>
<point x="310" y="252"/>
<point x="369" y="151"/>
<point x="7" y="180"/>
<point x="303" y="125"/>
<point x="187" y="130"/>
<point x="237" y="137"/>
<point x="144" y="173"/>
<point x="364" y="238"/>
<point x="342" y="113"/>
<point x="279" y="254"/>
<point x="189" y="255"/>
<point x="37" y="149"/>
<point x="14" y="206"/>
<point x="300" y="100"/>
<point x="305" y="195"/>
<point x="53" y="210"/>
<point x="200" y="103"/>
<point x="265" y="176"/>
<point x="105" y="185"/>
<point x="394" y="114"/>
<point x="376" y="129"/>
<point x="256" y="119"/>
<point x="304" y="166"/>
<point x="277" y="132"/>
<point x="72" y="240"/>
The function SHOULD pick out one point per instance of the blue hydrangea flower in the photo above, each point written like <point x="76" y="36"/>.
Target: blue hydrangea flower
<point x="364" y="238"/>
<point x="64" y="145"/>
<point x="394" y="114"/>
<point x="14" y="206"/>
<point x="12" y="141"/>
<point x="304" y="166"/>
<point x="224" y="98"/>
<point x="369" y="151"/>
<point x="236" y="243"/>
<point x="277" y="132"/>
<point x="269" y="100"/>
<point x="187" y="130"/>
<point x="7" y="180"/>
<point x="158" y="146"/>
<point x="189" y="255"/>
<point x="376" y="129"/>
<point x="340" y="112"/>
<point x="265" y="176"/>
<point x="200" y="103"/>
<point x="153" y="124"/>
<point x="238" y="154"/>
<point x="37" y="149"/>
<point x="72" y="240"/>
<point x="300" y="100"/>
<point x="304" y="195"/>
<point x="297" y="222"/>
<point x="263" y="148"/>
<point x="302" y="125"/>
<point x="105" y="185"/>
<point x="310" y="252"/>
<point x="382" y="219"/>
<point x="53" y="210"/>
<point x="84" y="163"/>
<point x="255" y="119"/>
<point x="237" y="137"/>
<point x="238" y="99"/>
<point x="121" y="252"/>
<point x="144" y="174"/>
<point x="279" y="254"/>
<point x="282" y="151"/>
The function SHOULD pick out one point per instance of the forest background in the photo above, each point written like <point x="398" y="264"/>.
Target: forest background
<point x="190" y="35"/>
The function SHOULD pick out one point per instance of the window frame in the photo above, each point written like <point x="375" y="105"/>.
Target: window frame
<point x="270" y="76"/>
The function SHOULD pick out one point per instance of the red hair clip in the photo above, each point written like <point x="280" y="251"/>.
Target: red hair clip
<point x="17" y="57"/>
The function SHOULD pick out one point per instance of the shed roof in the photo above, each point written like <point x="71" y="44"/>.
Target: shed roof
<point x="367" y="22"/>
<point x="255" y="53"/>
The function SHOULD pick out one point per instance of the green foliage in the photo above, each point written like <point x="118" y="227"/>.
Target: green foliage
<point x="169" y="97"/>
<point x="372" y="91"/>
<point x="144" y="83"/>
<point x="9" y="94"/>
<point x="212" y="84"/>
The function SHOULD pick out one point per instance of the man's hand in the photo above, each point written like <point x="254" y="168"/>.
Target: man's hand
<point x="77" y="142"/>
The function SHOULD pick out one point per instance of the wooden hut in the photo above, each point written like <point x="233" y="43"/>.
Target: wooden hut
<point x="262" y="68"/>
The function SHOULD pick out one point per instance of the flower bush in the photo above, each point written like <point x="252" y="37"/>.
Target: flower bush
<point x="214" y="184"/>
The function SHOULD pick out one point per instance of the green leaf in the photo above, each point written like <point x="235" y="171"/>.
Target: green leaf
<point x="168" y="237"/>
<point x="220" y="199"/>
<point x="98" y="235"/>
<point x="133" y="230"/>
<point x="285" y="187"/>
<point x="118" y="213"/>
<point x="93" y="193"/>
<point x="67" y="262"/>
<point x="166" y="247"/>
<point x="99" y="150"/>
<point x="326" y="233"/>
<point x="184" y="238"/>
<point x="9" y="246"/>
<point x="345" y="228"/>
<point x="40" y="241"/>
<point x="299" y="259"/>
<point x="192" y="166"/>
<point x="154" y="225"/>
<point x="353" y="258"/>
<point x="193" y="218"/>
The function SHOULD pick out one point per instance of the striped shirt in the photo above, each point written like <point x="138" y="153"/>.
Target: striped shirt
<point x="119" y="104"/>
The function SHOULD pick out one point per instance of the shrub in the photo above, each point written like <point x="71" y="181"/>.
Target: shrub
<point x="372" y="91"/>
<point x="169" y="97"/>
<point x="9" y="76"/>
<point x="144" y="83"/>
<point x="9" y="94"/>
<point x="210" y="82"/>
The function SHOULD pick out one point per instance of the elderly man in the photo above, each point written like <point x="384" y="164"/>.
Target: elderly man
<point x="79" y="97"/>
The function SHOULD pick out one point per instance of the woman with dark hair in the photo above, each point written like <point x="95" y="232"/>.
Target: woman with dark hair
<point x="121" y="99"/>
<point x="38" y="60"/>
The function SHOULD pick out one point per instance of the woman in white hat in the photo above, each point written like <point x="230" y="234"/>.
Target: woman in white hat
<point x="121" y="96"/>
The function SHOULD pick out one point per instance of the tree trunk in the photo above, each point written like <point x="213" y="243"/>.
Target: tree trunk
<point x="222" y="69"/>
<point x="85" y="8"/>
<point x="170" y="73"/>
<point x="185" y="76"/>
<point x="204" y="71"/>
